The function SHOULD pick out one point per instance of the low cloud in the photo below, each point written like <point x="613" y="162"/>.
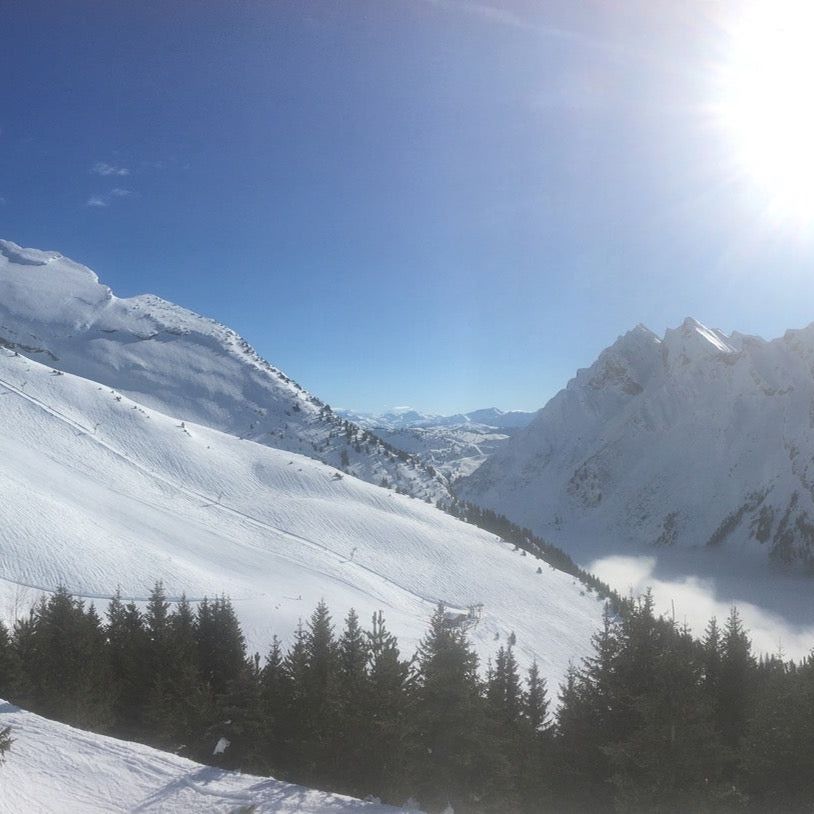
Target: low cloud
<point x="105" y="169"/>
<point x="774" y="607"/>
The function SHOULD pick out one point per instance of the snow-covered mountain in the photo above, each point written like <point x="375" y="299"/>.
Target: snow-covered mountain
<point x="694" y="439"/>
<point x="455" y="445"/>
<point x="173" y="360"/>
<point x="54" y="768"/>
<point x="400" y="418"/>
<point x="101" y="488"/>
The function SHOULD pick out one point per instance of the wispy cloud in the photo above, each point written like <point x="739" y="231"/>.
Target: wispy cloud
<point x="483" y="10"/>
<point x="498" y="15"/>
<point x="103" y="168"/>
<point x="103" y="200"/>
<point x="506" y="18"/>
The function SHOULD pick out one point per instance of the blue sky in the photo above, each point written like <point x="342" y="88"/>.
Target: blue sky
<point x="429" y="202"/>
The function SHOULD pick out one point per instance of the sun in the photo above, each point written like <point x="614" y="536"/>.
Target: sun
<point x="765" y="104"/>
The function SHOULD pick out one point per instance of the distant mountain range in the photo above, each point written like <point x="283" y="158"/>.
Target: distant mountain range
<point x="400" y="418"/>
<point x="454" y="445"/>
<point x="696" y="438"/>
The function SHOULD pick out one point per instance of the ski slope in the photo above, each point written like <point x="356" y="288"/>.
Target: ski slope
<point x="55" y="769"/>
<point x="99" y="490"/>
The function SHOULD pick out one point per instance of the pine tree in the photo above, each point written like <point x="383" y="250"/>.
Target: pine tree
<point x="449" y="717"/>
<point x="589" y="716"/>
<point x="386" y="714"/>
<point x="221" y="645"/>
<point x="180" y="702"/>
<point x="156" y="620"/>
<point x="535" y="701"/>
<point x="669" y="759"/>
<point x="534" y="787"/>
<point x="735" y="681"/>
<point x="126" y="651"/>
<point x="320" y="701"/>
<point x="64" y="662"/>
<point x="5" y="742"/>
<point x="238" y="721"/>
<point x="9" y="665"/>
<point x="504" y="700"/>
<point x="353" y="705"/>
<point x="273" y="698"/>
<point x="777" y="751"/>
<point x="292" y="721"/>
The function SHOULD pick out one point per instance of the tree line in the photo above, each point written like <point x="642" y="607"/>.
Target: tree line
<point x="654" y="720"/>
<point x="525" y="541"/>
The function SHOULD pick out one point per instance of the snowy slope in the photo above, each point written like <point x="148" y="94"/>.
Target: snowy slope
<point x="99" y="490"/>
<point x="55" y="769"/>
<point x="166" y="357"/>
<point x="455" y="445"/>
<point x="693" y="439"/>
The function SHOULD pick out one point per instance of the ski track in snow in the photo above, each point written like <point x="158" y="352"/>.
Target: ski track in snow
<point x="409" y="555"/>
<point x="211" y="503"/>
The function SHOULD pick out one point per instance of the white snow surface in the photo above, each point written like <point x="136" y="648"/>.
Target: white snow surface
<point x="173" y="360"/>
<point x="696" y="439"/>
<point x="55" y="769"/>
<point x="99" y="490"/>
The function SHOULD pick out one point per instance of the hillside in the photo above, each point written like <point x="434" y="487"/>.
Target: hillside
<point x="165" y="357"/>
<point x="55" y="768"/>
<point x="696" y="439"/>
<point x="100" y="490"/>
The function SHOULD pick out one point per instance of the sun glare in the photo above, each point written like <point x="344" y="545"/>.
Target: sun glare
<point x="766" y="105"/>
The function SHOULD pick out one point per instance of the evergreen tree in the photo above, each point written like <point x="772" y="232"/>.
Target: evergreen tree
<point x="9" y="665"/>
<point x="669" y="760"/>
<point x="588" y="719"/>
<point x="777" y="751"/>
<point x="535" y="701"/>
<point x="320" y="701"/>
<point x="292" y="722"/>
<point x="157" y="623"/>
<point x="5" y="742"/>
<point x="272" y="699"/>
<point x="235" y="738"/>
<point x="449" y="716"/>
<point x="64" y="663"/>
<point x="179" y="700"/>
<point x="353" y="706"/>
<point x="535" y="755"/>
<point x="504" y="700"/>
<point x="126" y="651"/>
<point x="735" y="681"/>
<point x="221" y="645"/>
<point x="386" y="714"/>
